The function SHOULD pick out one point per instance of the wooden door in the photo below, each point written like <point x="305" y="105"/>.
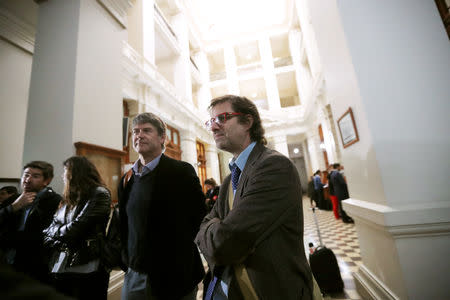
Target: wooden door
<point x="201" y="163"/>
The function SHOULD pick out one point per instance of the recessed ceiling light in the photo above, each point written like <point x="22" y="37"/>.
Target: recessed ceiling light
<point x="254" y="95"/>
<point x="296" y="150"/>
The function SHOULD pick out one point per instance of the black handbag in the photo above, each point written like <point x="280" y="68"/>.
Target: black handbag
<point x="65" y="261"/>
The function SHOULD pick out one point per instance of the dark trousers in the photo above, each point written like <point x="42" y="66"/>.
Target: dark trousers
<point x="83" y="286"/>
<point x="136" y="286"/>
<point x="342" y="213"/>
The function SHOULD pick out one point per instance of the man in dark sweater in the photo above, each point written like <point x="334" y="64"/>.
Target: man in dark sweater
<point x="161" y="206"/>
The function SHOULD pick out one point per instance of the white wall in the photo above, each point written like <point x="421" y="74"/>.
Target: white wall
<point x="15" y="72"/>
<point x="389" y="62"/>
<point x="342" y="90"/>
<point x="403" y="69"/>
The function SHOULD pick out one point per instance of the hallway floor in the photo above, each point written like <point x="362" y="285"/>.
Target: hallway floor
<point x="339" y="237"/>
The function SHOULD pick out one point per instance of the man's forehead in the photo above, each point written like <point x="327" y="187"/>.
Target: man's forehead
<point x="221" y="108"/>
<point x="33" y="171"/>
<point x="144" y="125"/>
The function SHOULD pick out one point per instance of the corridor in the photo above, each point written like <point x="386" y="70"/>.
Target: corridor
<point x="339" y="237"/>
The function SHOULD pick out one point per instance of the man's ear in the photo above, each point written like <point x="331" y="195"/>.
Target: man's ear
<point x="249" y="121"/>
<point x="47" y="181"/>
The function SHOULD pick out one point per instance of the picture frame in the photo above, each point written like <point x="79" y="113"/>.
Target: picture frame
<point x="347" y="128"/>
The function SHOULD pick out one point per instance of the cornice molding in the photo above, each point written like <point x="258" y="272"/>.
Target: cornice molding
<point x="16" y="31"/>
<point x="118" y="9"/>
<point x="429" y="219"/>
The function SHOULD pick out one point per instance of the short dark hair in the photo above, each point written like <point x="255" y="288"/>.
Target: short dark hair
<point x="336" y="165"/>
<point x="153" y="119"/>
<point x="211" y="181"/>
<point x="45" y="167"/>
<point x="9" y="189"/>
<point x="317" y="172"/>
<point x="246" y="107"/>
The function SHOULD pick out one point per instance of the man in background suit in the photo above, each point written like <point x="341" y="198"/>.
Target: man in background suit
<point x="339" y="184"/>
<point x="161" y="206"/>
<point x="253" y="237"/>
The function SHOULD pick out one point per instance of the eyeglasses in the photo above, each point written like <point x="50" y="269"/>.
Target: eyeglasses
<point x="221" y="119"/>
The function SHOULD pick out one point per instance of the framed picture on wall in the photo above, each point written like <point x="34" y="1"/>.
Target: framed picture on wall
<point x="347" y="128"/>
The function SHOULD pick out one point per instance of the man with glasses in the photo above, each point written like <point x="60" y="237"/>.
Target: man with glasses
<point x="161" y="206"/>
<point x="253" y="237"/>
<point x="22" y="222"/>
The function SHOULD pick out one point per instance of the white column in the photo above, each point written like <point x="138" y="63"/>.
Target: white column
<point x="309" y="36"/>
<point x="295" y="46"/>
<point x="141" y="28"/>
<point x="306" y="155"/>
<point x="265" y="50"/>
<point x="182" y="71"/>
<point x="280" y="144"/>
<point x="315" y="153"/>
<point x="75" y="76"/>
<point x="231" y="70"/>
<point x="212" y="163"/>
<point x="328" y="140"/>
<point x="148" y="30"/>
<point x="204" y="92"/>
<point x="188" y="148"/>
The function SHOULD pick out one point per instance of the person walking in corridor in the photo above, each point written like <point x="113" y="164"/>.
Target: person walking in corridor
<point x="253" y="237"/>
<point x="161" y="207"/>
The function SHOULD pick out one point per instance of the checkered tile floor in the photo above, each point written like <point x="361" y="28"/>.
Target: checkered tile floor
<point x="339" y="237"/>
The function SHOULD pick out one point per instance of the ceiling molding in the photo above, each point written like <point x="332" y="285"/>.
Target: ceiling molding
<point x="117" y="9"/>
<point x="16" y="31"/>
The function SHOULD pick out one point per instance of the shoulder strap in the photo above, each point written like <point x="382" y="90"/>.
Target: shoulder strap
<point x="127" y="178"/>
<point x="240" y="270"/>
<point x="109" y="221"/>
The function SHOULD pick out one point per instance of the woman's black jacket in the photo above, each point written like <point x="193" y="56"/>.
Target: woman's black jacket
<point x="78" y="229"/>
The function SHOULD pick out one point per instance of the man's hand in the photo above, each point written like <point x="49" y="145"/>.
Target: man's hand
<point x="25" y="199"/>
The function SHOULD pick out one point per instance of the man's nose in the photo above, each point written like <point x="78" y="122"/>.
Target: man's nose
<point x="214" y="126"/>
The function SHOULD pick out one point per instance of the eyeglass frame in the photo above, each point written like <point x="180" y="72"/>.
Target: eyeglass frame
<point x="216" y="119"/>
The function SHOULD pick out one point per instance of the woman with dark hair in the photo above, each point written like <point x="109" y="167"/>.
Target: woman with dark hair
<point x="212" y="192"/>
<point x="74" y="234"/>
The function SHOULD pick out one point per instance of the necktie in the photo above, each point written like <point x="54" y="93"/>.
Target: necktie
<point x="235" y="173"/>
<point x="210" y="290"/>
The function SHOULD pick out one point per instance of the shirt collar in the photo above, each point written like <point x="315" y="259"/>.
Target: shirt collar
<point x="241" y="160"/>
<point x="148" y="167"/>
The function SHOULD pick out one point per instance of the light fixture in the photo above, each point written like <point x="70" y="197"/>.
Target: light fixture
<point x="296" y="150"/>
<point x="254" y="95"/>
<point x="322" y="146"/>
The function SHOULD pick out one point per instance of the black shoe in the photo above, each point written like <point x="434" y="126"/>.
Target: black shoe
<point x="348" y="220"/>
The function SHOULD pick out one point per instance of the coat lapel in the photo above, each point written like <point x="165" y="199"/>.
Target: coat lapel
<point x="245" y="175"/>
